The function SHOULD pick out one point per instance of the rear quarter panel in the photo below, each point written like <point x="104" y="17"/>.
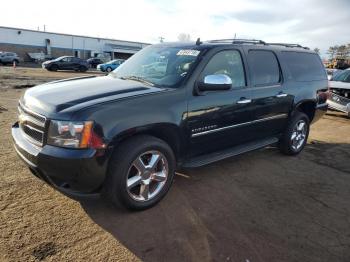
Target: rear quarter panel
<point x="301" y="91"/>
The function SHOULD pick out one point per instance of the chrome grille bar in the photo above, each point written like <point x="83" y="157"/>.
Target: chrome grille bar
<point x="32" y="125"/>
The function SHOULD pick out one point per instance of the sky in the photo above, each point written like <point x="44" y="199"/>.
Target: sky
<point x="312" y="23"/>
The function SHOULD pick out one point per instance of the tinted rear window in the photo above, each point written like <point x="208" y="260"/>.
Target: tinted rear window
<point x="264" y="67"/>
<point x="304" y="66"/>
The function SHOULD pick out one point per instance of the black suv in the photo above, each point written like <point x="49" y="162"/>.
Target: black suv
<point x="66" y="63"/>
<point x="168" y="106"/>
<point x="94" y="61"/>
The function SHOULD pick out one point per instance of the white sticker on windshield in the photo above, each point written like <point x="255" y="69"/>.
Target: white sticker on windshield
<point x="188" y="52"/>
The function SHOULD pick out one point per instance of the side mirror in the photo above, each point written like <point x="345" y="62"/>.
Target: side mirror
<point x="218" y="82"/>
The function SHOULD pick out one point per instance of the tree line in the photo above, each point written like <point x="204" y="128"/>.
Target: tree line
<point x="339" y="51"/>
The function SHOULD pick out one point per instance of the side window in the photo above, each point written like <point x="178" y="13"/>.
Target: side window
<point x="304" y="66"/>
<point x="347" y="79"/>
<point x="264" y="68"/>
<point x="227" y="62"/>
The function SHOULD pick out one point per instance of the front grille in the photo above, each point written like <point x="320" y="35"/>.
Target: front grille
<point x="32" y="124"/>
<point x="339" y="99"/>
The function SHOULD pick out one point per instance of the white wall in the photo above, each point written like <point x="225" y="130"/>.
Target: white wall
<point x="37" y="38"/>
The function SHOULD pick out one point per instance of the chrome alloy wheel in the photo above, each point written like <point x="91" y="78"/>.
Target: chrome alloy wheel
<point x="147" y="175"/>
<point x="299" y="135"/>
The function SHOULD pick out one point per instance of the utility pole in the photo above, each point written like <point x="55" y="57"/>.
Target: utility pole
<point x="161" y="39"/>
<point x="44" y="28"/>
<point x="72" y="46"/>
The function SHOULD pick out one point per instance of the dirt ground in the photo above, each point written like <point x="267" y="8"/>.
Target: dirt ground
<point x="260" y="206"/>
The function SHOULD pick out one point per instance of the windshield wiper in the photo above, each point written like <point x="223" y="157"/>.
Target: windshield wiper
<point x="137" y="78"/>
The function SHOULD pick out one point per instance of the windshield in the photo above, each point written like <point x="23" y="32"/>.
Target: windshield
<point x="158" y="65"/>
<point x="59" y="58"/>
<point x="343" y="76"/>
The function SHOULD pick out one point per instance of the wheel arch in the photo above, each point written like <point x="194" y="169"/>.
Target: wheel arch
<point x="168" y="132"/>
<point x="308" y="107"/>
<point x="54" y="65"/>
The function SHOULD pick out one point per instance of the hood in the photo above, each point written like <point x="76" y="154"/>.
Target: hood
<point x="48" y="62"/>
<point x="339" y="84"/>
<point x="63" y="95"/>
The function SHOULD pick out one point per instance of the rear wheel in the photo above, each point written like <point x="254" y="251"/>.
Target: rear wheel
<point x="295" y="136"/>
<point x="141" y="172"/>
<point x="108" y="69"/>
<point x="82" y="69"/>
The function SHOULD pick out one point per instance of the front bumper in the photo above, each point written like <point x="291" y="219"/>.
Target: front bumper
<point x="339" y="103"/>
<point x="321" y="109"/>
<point x="101" y="68"/>
<point x="74" y="172"/>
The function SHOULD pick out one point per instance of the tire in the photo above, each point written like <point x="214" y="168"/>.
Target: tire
<point x="295" y="136"/>
<point x="53" y="68"/>
<point x="83" y="68"/>
<point x="139" y="151"/>
<point x="108" y="69"/>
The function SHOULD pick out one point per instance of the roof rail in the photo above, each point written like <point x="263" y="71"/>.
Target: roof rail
<point x="238" y="41"/>
<point x="289" y="45"/>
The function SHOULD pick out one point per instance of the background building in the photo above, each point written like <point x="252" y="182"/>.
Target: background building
<point x="24" y="41"/>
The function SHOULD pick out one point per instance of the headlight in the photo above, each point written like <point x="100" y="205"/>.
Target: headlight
<point x="73" y="135"/>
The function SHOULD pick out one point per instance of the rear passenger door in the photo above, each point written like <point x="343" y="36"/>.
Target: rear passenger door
<point x="76" y="62"/>
<point x="270" y="101"/>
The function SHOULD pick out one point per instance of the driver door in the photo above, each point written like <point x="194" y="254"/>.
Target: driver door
<point x="64" y="63"/>
<point x="220" y="119"/>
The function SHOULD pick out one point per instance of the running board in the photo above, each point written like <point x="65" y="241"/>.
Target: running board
<point x="233" y="151"/>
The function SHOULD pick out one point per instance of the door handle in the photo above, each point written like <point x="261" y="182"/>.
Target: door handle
<point x="244" y="100"/>
<point x="281" y="94"/>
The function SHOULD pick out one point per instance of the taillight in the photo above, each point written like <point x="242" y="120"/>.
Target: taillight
<point x="322" y="96"/>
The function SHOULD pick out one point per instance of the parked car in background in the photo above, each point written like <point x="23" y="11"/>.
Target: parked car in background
<point x="9" y="58"/>
<point x="94" y="61"/>
<point x="66" y="63"/>
<point x="332" y="73"/>
<point x="125" y="134"/>
<point x="110" y="66"/>
<point x="339" y="97"/>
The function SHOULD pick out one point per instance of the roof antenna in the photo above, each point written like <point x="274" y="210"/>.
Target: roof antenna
<point x="198" y="42"/>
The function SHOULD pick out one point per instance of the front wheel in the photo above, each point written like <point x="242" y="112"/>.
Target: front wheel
<point x="108" y="69"/>
<point x="141" y="172"/>
<point x="295" y="136"/>
<point x="53" y="68"/>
